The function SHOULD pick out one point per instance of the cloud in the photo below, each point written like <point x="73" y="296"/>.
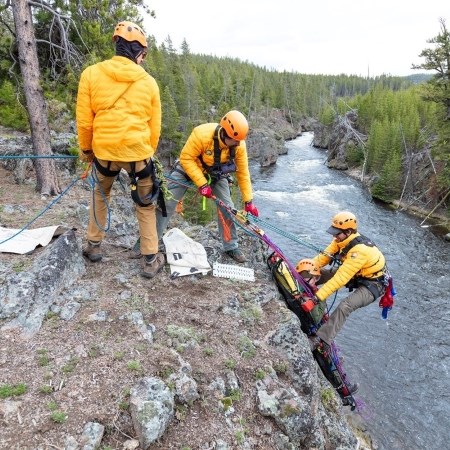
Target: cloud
<point x="325" y="37"/>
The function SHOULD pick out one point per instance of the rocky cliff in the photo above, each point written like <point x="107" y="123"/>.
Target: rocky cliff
<point x="94" y="356"/>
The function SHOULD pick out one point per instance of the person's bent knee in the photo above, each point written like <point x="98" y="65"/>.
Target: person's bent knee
<point x="348" y="306"/>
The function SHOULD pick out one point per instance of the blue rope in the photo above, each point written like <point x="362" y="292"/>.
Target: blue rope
<point x="37" y="156"/>
<point x="43" y="211"/>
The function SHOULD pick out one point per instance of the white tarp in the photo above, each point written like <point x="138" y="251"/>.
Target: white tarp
<point x="26" y="240"/>
<point x="185" y="256"/>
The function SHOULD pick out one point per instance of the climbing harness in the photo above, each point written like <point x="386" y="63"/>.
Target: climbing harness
<point x="156" y="195"/>
<point x="376" y="285"/>
<point x="219" y="170"/>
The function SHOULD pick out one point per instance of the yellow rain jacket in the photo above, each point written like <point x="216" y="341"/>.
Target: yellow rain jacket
<point x="200" y="146"/>
<point x="360" y="261"/>
<point x="118" y="111"/>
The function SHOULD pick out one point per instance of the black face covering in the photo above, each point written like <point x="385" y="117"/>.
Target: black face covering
<point x="130" y="50"/>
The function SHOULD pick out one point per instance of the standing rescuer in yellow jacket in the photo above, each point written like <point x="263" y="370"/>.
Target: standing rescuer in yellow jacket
<point x="362" y="270"/>
<point x="212" y="152"/>
<point x="118" y="117"/>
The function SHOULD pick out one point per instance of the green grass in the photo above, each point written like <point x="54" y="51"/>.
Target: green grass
<point x="134" y="365"/>
<point x="70" y="366"/>
<point x="233" y="396"/>
<point x="12" y="390"/>
<point x="52" y="406"/>
<point x="281" y="367"/>
<point x="230" y="364"/>
<point x="253" y="314"/>
<point x="43" y="358"/>
<point x="18" y="267"/>
<point x="46" y="389"/>
<point x="260" y="374"/>
<point x="246" y="347"/>
<point x="58" y="416"/>
<point x="208" y="351"/>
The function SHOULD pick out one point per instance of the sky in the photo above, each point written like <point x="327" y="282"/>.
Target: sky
<point x="329" y="37"/>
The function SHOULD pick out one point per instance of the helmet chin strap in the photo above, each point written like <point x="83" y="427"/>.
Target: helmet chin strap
<point x="223" y="134"/>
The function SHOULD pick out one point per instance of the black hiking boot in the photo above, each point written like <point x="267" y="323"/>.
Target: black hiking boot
<point x="349" y="401"/>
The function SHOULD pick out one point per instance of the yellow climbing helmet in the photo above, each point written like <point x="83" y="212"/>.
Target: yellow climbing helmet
<point x="308" y="265"/>
<point x="343" y="220"/>
<point x="130" y="32"/>
<point x="235" y="125"/>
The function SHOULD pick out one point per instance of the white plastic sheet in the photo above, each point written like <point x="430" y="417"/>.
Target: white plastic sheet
<point x="185" y="256"/>
<point x="25" y="241"/>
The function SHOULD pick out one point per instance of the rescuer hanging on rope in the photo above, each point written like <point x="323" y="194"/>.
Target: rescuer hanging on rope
<point x="119" y="124"/>
<point x="362" y="270"/>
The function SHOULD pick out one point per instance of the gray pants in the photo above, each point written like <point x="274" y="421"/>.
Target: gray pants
<point x="178" y="185"/>
<point x="358" y="298"/>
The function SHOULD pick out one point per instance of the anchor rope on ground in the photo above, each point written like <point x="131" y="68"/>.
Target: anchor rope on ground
<point x="38" y="156"/>
<point x="53" y="202"/>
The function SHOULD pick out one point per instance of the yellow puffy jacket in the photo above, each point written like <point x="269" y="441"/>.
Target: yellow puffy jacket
<point x="200" y="146"/>
<point x="360" y="261"/>
<point x="118" y="111"/>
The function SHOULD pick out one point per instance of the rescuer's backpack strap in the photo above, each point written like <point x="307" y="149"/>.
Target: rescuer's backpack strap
<point x="358" y="240"/>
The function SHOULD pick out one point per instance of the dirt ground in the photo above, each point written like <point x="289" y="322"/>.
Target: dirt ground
<point x="80" y="370"/>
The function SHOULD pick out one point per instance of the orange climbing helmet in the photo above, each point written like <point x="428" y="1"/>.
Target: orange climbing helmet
<point x="343" y="220"/>
<point x="130" y="32"/>
<point x="309" y="266"/>
<point x="235" y="125"/>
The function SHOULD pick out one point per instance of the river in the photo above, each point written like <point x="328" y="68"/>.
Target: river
<point x="402" y="364"/>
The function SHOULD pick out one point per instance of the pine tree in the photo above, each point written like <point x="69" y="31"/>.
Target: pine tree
<point x="437" y="90"/>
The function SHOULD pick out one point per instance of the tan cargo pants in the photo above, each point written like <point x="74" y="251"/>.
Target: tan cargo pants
<point x="98" y="207"/>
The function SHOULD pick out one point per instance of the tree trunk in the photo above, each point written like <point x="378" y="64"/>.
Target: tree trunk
<point x="46" y="176"/>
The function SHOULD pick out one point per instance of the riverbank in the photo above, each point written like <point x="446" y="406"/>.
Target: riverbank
<point x="436" y="220"/>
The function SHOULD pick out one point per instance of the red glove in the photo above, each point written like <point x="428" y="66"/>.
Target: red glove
<point x="251" y="208"/>
<point x="205" y="190"/>
<point x="309" y="304"/>
<point x="387" y="301"/>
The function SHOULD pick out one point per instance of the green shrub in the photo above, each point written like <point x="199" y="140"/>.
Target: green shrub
<point x="354" y="155"/>
<point x="12" y="111"/>
<point x="246" y="347"/>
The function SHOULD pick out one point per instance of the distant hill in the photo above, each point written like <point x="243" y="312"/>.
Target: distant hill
<point x="419" y="77"/>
